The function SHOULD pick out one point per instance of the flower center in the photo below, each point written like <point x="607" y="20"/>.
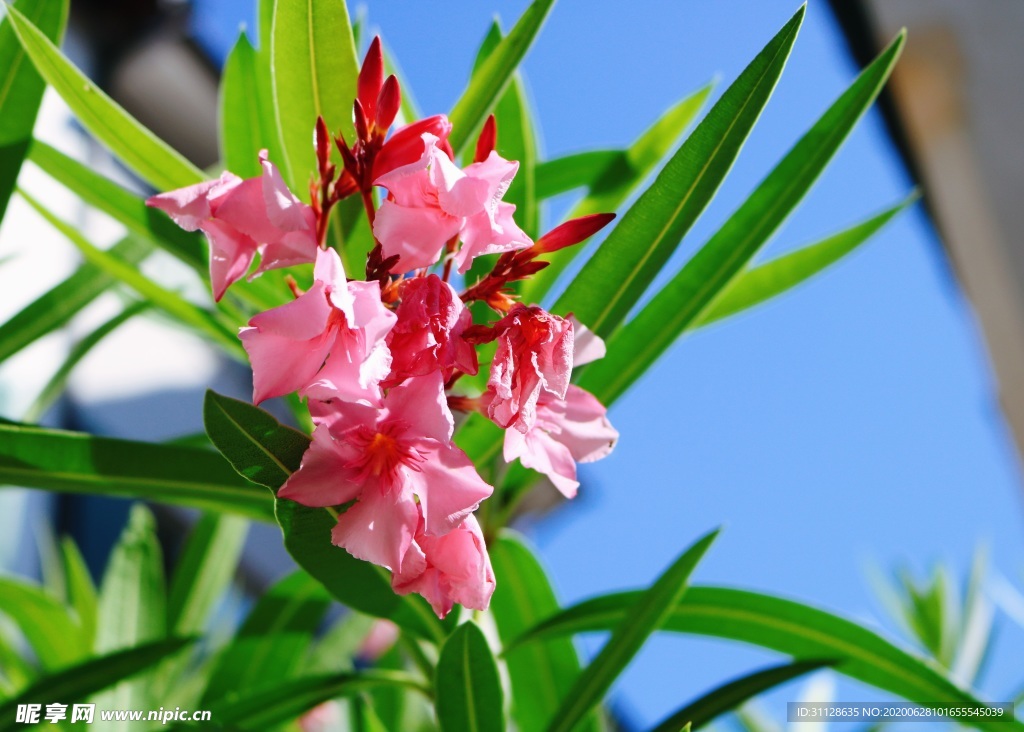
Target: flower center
<point x="381" y="452"/>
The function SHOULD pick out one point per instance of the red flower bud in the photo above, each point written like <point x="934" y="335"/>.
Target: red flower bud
<point x="487" y="140"/>
<point x="371" y="79"/>
<point x="406" y="144"/>
<point x="571" y="232"/>
<point x="359" y="118"/>
<point x="388" y="102"/>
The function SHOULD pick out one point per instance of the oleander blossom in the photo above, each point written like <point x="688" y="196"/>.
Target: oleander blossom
<point x="328" y="343"/>
<point x="432" y="201"/>
<point x="395" y="462"/>
<point x="243" y="217"/>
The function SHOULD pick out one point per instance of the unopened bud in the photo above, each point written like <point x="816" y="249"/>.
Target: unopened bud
<point x="487" y="140"/>
<point x="359" y="119"/>
<point x="371" y="78"/>
<point x="388" y="102"/>
<point x="571" y="232"/>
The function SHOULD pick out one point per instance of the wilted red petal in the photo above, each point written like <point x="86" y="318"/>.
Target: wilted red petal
<point x="487" y="140"/>
<point x="388" y="102"/>
<point x="371" y="78"/>
<point x="571" y="232"/>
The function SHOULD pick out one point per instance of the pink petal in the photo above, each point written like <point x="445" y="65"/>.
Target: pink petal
<point x="420" y="402"/>
<point x="231" y="255"/>
<point x="284" y="210"/>
<point x="190" y="206"/>
<point x="587" y="345"/>
<point x="351" y="373"/>
<point x="321" y="479"/>
<point x="542" y="452"/>
<point x="448" y="486"/>
<point x="299" y="320"/>
<point x="461" y="558"/>
<point x="482" y="234"/>
<point x="416" y="235"/>
<point x="585" y="430"/>
<point x="378" y="528"/>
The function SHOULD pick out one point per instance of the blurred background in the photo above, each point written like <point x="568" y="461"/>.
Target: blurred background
<point x="869" y="421"/>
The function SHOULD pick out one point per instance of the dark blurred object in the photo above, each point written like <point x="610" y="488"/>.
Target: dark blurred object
<point x="140" y="53"/>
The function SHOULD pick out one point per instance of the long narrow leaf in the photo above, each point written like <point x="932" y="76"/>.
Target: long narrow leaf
<point x="613" y="185"/>
<point x="53" y="633"/>
<point x="789" y="627"/>
<point x="78" y="682"/>
<point x="577" y="170"/>
<point x="727" y="697"/>
<point x="469" y="693"/>
<point x="768" y="280"/>
<point x="246" y="127"/>
<point x="125" y="207"/>
<point x="58" y="305"/>
<point x="643" y="618"/>
<point x="55" y="386"/>
<point x="494" y="75"/>
<point x="729" y="250"/>
<point x="266" y="452"/>
<point x="314" y="69"/>
<point x="628" y="260"/>
<point x="138" y="148"/>
<point x="21" y="88"/>
<point x="171" y="303"/>
<point x="73" y="462"/>
<point x="81" y="590"/>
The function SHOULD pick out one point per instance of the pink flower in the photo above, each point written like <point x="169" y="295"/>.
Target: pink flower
<point x="431" y="201"/>
<point x="428" y="334"/>
<point x="567" y="431"/>
<point x="384" y="460"/>
<point x="328" y="343"/>
<point x="242" y="217"/>
<point x="534" y="355"/>
<point x="448" y="569"/>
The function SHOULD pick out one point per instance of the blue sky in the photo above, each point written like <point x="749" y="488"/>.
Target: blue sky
<point x="854" y="421"/>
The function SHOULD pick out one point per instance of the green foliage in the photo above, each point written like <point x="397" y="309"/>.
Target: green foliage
<point x="469" y="697"/>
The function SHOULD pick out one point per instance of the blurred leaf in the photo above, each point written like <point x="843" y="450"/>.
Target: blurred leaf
<point x="469" y="693"/>
<point x="314" y="71"/>
<point x="122" y="205"/>
<point x="975" y="641"/>
<point x="267" y="452"/>
<point x="727" y="697"/>
<point x="576" y="170"/>
<point x="647" y="614"/>
<point x="613" y="280"/>
<point x="79" y="682"/>
<point x="271" y="644"/>
<point x="80" y="589"/>
<point x="161" y="298"/>
<point x="204" y="571"/>
<point x="727" y="253"/>
<point x="541" y="674"/>
<point x="785" y="626"/>
<point x="132" y="604"/>
<point x="21" y="88"/>
<point x="489" y="82"/>
<point x="611" y="186"/>
<point x="765" y="281"/>
<point x="243" y="118"/>
<point x="55" y="386"/>
<point x="335" y="651"/>
<point x="53" y="633"/>
<point x="74" y="462"/>
<point x="138" y="148"/>
<point x="58" y="305"/>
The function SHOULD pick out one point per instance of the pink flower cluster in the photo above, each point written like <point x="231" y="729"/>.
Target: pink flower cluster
<point x="379" y="360"/>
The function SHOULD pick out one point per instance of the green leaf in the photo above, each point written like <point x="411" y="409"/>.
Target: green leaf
<point x="541" y="674"/>
<point x="171" y="303"/>
<point x="246" y="117"/>
<point x="266" y="707"/>
<point x="578" y="170"/>
<point x="21" y="88"/>
<point x="55" y="386"/>
<point x="731" y="248"/>
<point x="727" y="697"/>
<point x="639" y="246"/>
<point x="57" y="306"/>
<point x="79" y="682"/>
<point x="138" y="148"/>
<point x="335" y="651"/>
<point x="494" y="75"/>
<point x="763" y="282"/>
<point x="122" y="205"/>
<point x="271" y="644"/>
<point x="614" y="184"/>
<point x="789" y="627"/>
<point x="266" y="452"/>
<point x="133" y="604"/>
<point x="469" y="697"/>
<point x="204" y="571"/>
<point x="74" y="462"/>
<point x="314" y="71"/>
<point x="81" y="590"/>
<point x="644" y="617"/>
<point x="53" y="633"/>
